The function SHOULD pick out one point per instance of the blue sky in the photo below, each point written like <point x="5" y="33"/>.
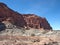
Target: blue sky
<point x="50" y="9"/>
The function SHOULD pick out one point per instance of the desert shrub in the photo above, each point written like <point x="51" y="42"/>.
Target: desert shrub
<point x="37" y="40"/>
<point x="44" y="32"/>
<point x="32" y="34"/>
<point x="52" y="43"/>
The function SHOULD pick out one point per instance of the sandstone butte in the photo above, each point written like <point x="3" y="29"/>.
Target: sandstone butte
<point x="22" y="20"/>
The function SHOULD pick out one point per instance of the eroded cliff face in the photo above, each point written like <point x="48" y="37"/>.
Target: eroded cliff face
<point x="22" y="20"/>
<point x="6" y="14"/>
<point x="34" y="21"/>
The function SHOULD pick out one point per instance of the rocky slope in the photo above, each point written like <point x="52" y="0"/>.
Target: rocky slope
<point x="8" y="16"/>
<point x="28" y="37"/>
<point x="22" y="40"/>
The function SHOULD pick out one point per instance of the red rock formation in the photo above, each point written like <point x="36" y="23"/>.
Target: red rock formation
<point x="27" y="20"/>
<point x="14" y="17"/>
<point x="37" y="22"/>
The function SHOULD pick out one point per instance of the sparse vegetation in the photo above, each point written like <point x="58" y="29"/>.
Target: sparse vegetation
<point x="32" y="34"/>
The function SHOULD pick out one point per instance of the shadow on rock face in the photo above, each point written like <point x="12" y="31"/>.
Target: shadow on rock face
<point x="2" y="26"/>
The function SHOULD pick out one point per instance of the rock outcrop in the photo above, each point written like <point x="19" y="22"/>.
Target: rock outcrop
<point x="22" y="20"/>
<point x="6" y="14"/>
<point x="34" y="21"/>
